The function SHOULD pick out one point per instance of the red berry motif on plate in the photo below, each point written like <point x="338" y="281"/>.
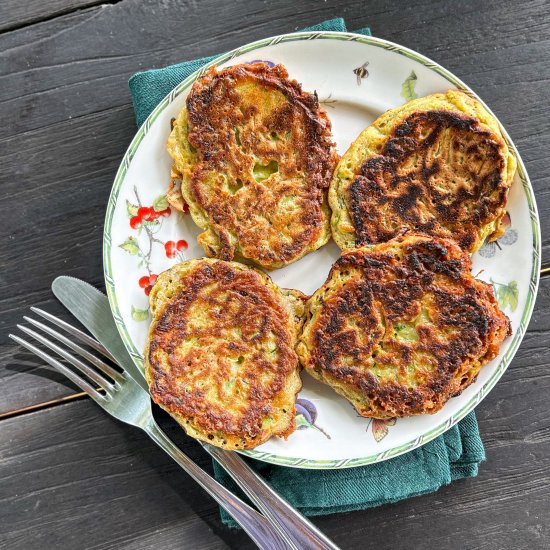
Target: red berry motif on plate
<point x="147" y="222"/>
<point x="147" y="282"/>
<point x="145" y="213"/>
<point x="170" y="249"/>
<point x="139" y="214"/>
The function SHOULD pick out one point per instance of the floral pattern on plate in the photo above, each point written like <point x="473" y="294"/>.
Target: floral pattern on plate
<point x="146" y="222"/>
<point x="380" y="427"/>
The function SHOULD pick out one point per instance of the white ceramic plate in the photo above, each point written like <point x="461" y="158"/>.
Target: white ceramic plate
<point x="330" y="433"/>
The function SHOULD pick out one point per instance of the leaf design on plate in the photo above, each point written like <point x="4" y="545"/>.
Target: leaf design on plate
<point x="139" y="314"/>
<point x="379" y="428"/>
<point x="408" y="90"/>
<point x="151" y="223"/>
<point x="301" y="422"/>
<point x="160" y="203"/>
<point x="506" y="294"/>
<point x="131" y="209"/>
<point x="131" y="246"/>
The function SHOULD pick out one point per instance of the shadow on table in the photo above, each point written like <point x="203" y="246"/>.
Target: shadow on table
<point x="178" y="481"/>
<point x="25" y="362"/>
<point x="169" y="473"/>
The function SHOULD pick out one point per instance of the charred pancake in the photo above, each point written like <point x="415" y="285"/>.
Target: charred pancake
<point x="220" y="355"/>
<point x="255" y="157"/>
<point x="437" y="164"/>
<point x="400" y="327"/>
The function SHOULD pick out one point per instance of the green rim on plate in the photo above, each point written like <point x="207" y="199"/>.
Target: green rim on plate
<point x="137" y="356"/>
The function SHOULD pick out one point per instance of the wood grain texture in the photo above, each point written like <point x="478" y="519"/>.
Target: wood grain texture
<point x="73" y="478"/>
<point x="15" y="14"/>
<point x="92" y="482"/>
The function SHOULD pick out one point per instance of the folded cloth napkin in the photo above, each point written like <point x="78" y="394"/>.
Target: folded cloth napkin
<point x="454" y="455"/>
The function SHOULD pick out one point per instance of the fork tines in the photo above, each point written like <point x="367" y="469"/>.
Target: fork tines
<point x="105" y="378"/>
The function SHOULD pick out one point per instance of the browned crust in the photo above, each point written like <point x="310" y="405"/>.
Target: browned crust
<point x="226" y="299"/>
<point x="305" y="162"/>
<point x="173" y="194"/>
<point x="441" y="173"/>
<point x="392" y="283"/>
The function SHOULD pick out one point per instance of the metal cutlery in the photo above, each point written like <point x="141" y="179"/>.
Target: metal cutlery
<point x="123" y="398"/>
<point x="91" y="307"/>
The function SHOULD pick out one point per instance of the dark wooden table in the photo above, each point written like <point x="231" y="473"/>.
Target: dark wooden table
<point x="71" y="477"/>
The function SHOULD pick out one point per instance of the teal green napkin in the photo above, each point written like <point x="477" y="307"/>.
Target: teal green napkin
<point x="149" y="88"/>
<point x="454" y="455"/>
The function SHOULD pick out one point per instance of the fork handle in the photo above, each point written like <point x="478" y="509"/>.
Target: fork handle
<point x="304" y="534"/>
<point x="254" y="524"/>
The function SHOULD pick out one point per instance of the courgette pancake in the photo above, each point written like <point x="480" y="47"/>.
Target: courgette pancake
<point x="437" y="165"/>
<point x="255" y="158"/>
<point x="400" y="327"/>
<point x="220" y="354"/>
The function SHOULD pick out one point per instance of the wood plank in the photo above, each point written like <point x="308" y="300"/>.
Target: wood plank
<point x="67" y="120"/>
<point x="61" y="234"/>
<point x="16" y="15"/>
<point x="91" y="482"/>
<point x="26" y="380"/>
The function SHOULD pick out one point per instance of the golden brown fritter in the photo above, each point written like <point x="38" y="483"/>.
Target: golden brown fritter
<point x="256" y="158"/>
<point x="437" y="164"/>
<point x="173" y="194"/>
<point x="220" y="355"/>
<point x="401" y="327"/>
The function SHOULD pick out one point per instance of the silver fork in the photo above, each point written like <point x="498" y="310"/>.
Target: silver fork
<point x="91" y="307"/>
<point x="121" y="397"/>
